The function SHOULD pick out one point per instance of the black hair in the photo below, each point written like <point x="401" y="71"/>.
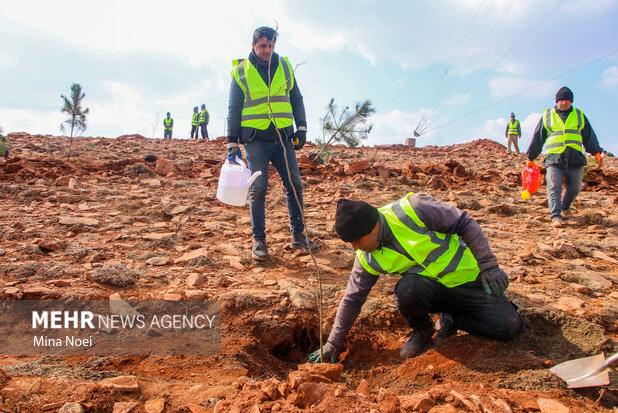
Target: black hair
<point x="264" y="31"/>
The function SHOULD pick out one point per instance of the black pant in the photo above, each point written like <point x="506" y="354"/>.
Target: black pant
<point x="204" y="130"/>
<point x="167" y="134"/>
<point x="194" y="131"/>
<point x="472" y="308"/>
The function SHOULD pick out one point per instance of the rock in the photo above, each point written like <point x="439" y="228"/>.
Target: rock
<point x="270" y="388"/>
<point x="71" y="407"/>
<point x="504" y="209"/>
<point x="424" y="405"/>
<point x="436" y="182"/>
<point x="298" y="298"/>
<point x="444" y="408"/>
<point x="178" y="210"/>
<point x="125" y="407"/>
<point x="124" y="384"/>
<point x="172" y="297"/>
<point x="309" y="394"/>
<point x="4" y="379"/>
<point x="158" y="261"/>
<point x="139" y="169"/>
<point x="356" y="167"/>
<point x="165" y="167"/>
<point x="296" y="378"/>
<point x="331" y="371"/>
<point x="155" y="406"/>
<point x="153" y="183"/>
<point x="462" y="401"/>
<point x="12" y="292"/>
<point x="551" y="406"/>
<point x="595" y="281"/>
<point x="62" y="181"/>
<point x="35" y="293"/>
<point x="388" y="402"/>
<point x="200" y="252"/>
<point x="195" y="280"/>
<point x="116" y="274"/>
<point x="51" y="246"/>
<point x="158" y="236"/>
<point x="66" y="220"/>
<point x="568" y="304"/>
<point x="73" y="183"/>
<point x="603" y="256"/>
<point x="194" y="408"/>
<point x="195" y="294"/>
<point x="363" y="388"/>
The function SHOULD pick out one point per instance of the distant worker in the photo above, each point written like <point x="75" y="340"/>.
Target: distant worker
<point x="195" y="121"/>
<point x="203" y="122"/>
<point x="260" y="110"/>
<point x="513" y="133"/>
<point x="444" y="263"/>
<point x="563" y="133"/>
<point x="168" y="126"/>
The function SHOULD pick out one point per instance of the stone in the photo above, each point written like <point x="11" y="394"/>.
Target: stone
<point x="388" y="402"/>
<point x="62" y="181"/>
<point x="153" y="183"/>
<point x="309" y="394"/>
<point x="551" y="406"/>
<point x="71" y="407"/>
<point x="51" y="246"/>
<point x="194" y="408"/>
<point x="165" y="167"/>
<point x="504" y="209"/>
<point x="462" y="401"/>
<point x="158" y="261"/>
<point x="4" y="379"/>
<point x="424" y="405"/>
<point x="363" y="388"/>
<point x="125" y="407"/>
<point x="158" y="236"/>
<point x="195" y="294"/>
<point x="33" y="293"/>
<point x="172" y="297"/>
<point x="180" y="209"/>
<point x="356" y="167"/>
<point x="73" y="183"/>
<point x="568" y="304"/>
<point x="195" y="280"/>
<point x="124" y="384"/>
<point x="66" y="220"/>
<point x="200" y="252"/>
<point x="296" y="378"/>
<point x="155" y="406"/>
<point x="328" y="370"/>
<point x="595" y="281"/>
<point x="444" y="408"/>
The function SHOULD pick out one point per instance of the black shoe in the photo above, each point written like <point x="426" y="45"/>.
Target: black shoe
<point x="418" y="342"/>
<point x="299" y="241"/>
<point x="446" y="326"/>
<point x="259" y="251"/>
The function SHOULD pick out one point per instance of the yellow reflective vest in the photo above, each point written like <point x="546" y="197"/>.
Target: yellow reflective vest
<point x="168" y="123"/>
<point x="561" y="135"/>
<point x="513" y="127"/>
<point x="444" y="258"/>
<point x="195" y="119"/>
<point x="263" y="105"/>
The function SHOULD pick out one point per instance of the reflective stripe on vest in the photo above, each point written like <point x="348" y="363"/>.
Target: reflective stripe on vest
<point x="203" y="116"/>
<point x="513" y="127"/>
<point x="262" y="104"/>
<point x="561" y="135"/>
<point x="418" y="250"/>
<point x="168" y="123"/>
<point x="195" y="119"/>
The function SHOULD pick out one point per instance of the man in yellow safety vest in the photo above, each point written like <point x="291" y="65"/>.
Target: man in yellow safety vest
<point x="445" y="265"/>
<point x="513" y="133"/>
<point x="264" y="104"/>
<point x="195" y="122"/>
<point x="563" y="132"/>
<point x="168" y="126"/>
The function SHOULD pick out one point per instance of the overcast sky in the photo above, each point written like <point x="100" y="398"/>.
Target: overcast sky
<point x="450" y="60"/>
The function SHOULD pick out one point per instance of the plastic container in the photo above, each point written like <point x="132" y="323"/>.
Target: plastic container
<point x="234" y="183"/>
<point x="530" y="180"/>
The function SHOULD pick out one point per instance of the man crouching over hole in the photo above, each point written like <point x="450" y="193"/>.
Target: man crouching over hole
<point x="445" y="263"/>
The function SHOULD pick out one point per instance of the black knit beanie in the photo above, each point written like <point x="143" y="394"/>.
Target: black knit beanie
<point x="354" y="219"/>
<point x="564" y="94"/>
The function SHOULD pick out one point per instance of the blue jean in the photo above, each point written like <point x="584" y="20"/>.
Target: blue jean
<point x="261" y="152"/>
<point x="573" y="177"/>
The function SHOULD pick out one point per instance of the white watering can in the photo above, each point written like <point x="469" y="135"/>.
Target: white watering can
<point x="234" y="182"/>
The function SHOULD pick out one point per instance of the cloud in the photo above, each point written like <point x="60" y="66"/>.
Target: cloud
<point x="31" y="121"/>
<point x="503" y="86"/>
<point x="395" y="126"/>
<point x="495" y="128"/>
<point x="610" y="76"/>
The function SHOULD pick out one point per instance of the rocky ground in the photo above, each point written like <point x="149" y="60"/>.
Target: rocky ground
<point x="100" y="222"/>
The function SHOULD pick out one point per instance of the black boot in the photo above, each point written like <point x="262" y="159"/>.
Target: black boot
<point x="299" y="241"/>
<point x="446" y="326"/>
<point x="418" y="342"/>
<point x="259" y="251"/>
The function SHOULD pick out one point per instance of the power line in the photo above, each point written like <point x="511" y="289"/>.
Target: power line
<point x="526" y="90"/>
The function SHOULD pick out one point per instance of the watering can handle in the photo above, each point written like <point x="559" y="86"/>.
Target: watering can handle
<point x="254" y="177"/>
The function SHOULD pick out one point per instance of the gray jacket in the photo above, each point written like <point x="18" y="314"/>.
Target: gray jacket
<point x="437" y="216"/>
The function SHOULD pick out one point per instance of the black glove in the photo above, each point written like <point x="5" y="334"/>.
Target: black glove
<point x="233" y="151"/>
<point x="494" y="281"/>
<point x="330" y="353"/>
<point x="299" y="138"/>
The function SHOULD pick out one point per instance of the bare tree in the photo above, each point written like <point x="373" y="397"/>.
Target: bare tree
<point x="346" y="126"/>
<point x="72" y="106"/>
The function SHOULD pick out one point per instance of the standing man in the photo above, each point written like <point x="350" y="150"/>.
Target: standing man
<point x="265" y="101"/>
<point x="195" y="121"/>
<point x="203" y="121"/>
<point x="513" y="133"/>
<point x="563" y="133"/>
<point x="445" y="265"/>
<point x="168" y="126"/>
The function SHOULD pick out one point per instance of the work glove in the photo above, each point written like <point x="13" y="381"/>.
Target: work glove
<point x="494" y="281"/>
<point x="599" y="157"/>
<point x="330" y="352"/>
<point x="299" y="138"/>
<point x="530" y="164"/>
<point x="233" y="151"/>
